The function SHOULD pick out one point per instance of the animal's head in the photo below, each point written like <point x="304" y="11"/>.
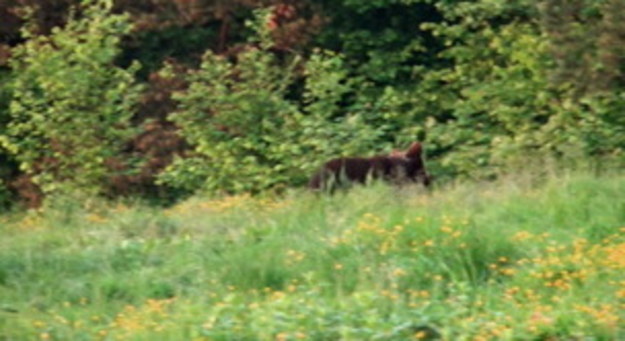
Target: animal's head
<point x="414" y="152"/>
<point x="416" y="164"/>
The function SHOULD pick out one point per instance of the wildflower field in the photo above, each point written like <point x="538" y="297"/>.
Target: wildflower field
<point x="523" y="258"/>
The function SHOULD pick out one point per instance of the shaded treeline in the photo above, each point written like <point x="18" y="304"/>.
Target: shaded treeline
<point x="159" y="99"/>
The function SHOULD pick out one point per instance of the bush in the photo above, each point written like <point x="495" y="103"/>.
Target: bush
<point x="497" y="100"/>
<point x="248" y="135"/>
<point x="71" y="104"/>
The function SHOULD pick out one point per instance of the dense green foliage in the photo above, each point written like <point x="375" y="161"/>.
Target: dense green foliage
<point x="522" y="258"/>
<point x="248" y="136"/>
<point x="500" y="102"/>
<point x="251" y="95"/>
<point x="71" y="106"/>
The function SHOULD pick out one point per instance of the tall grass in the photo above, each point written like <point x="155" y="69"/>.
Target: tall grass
<point x="525" y="257"/>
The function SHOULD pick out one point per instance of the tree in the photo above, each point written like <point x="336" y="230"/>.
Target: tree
<point x="71" y="105"/>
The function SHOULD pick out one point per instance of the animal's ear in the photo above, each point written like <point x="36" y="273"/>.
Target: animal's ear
<point x="414" y="151"/>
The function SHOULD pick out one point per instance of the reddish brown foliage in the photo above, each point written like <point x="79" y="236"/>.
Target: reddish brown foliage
<point x="28" y="192"/>
<point x="292" y="25"/>
<point x="155" y="146"/>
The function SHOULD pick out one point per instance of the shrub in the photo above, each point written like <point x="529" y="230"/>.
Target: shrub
<point x="71" y="104"/>
<point x="248" y="135"/>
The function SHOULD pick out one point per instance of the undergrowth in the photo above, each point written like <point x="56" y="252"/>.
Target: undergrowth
<point x="525" y="258"/>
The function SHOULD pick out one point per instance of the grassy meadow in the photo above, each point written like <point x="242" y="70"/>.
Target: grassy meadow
<point x="526" y="257"/>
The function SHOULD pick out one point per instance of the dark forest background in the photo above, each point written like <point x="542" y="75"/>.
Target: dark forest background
<point x="159" y="99"/>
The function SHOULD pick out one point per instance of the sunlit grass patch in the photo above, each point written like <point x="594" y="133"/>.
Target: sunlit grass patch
<point x="502" y="260"/>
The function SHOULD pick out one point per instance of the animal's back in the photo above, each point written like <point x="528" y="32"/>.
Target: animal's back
<point x="350" y="169"/>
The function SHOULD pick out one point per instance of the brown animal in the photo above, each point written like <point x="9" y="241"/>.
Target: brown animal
<point x="398" y="167"/>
